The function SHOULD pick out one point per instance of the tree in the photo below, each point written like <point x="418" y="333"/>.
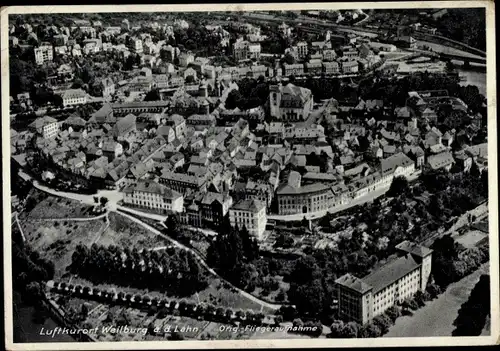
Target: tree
<point x="393" y="313"/>
<point x="336" y="329"/>
<point x="288" y="59"/>
<point x="474" y="171"/>
<point x="370" y="330"/>
<point x="153" y="95"/>
<point x="383" y="322"/>
<point x="399" y="186"/>
<point x="104" y="201"/>
<point x="349" y="330"/>
<point x="172" y="224"/>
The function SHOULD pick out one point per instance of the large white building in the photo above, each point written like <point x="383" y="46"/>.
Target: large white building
<point x="250" y="214"/>
<point x="47" y="127"/>
<point x="290" y="102"/>
<point x="244" y="50"/>
<point x="362" y="299"/>
<point x="74" y="97"/>
<point x="44" y="53"/>
<point x="153" y="196"/>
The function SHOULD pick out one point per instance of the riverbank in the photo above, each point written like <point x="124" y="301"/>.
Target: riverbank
<point x="27" y="328"/>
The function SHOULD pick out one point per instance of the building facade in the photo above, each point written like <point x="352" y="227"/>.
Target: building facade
<point x="250" y="214"/>
<point x="47" y="127"/>
<point x="44" y="53"/>
<point x="74" y="97"/>
<point x="153" y="196"/>
<point x="290" y="103"/>
<point x="362" y="299"/>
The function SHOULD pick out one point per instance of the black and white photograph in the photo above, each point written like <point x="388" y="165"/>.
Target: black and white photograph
<point x="262" y="175"/>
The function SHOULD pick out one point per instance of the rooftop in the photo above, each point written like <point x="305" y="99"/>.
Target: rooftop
<point x="391" y="272"/>
<point x="250" y="205"/>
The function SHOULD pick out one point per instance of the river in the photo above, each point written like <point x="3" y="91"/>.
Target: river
<point x="27" y="328"/>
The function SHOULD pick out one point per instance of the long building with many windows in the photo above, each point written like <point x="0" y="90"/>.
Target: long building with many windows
<point x="362" y="299"/>
<point x="153" y="196"/>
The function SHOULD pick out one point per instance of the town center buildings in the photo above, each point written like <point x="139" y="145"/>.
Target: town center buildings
<point x="250" y="214"/>
<point x="362" y="299"/>
<point x="153" y="196"/>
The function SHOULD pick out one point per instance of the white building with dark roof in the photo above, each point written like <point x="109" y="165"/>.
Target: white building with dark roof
<point x="362" y="299"/>
<point x="153" y="196"/>
<point x="74" y="97"/>
<point x="250" y="214"/>
<point x="47" y="127"/>
<point x="290" y="102"/>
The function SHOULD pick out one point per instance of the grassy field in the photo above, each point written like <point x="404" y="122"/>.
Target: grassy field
<point x="125" y="233"/>
<point x="58" y="207"/>
<point x="56" y="240"/>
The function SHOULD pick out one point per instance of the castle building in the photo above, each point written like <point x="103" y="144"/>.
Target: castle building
<point x="290" y="102"/>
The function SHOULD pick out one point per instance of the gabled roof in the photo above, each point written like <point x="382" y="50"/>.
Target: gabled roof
<point x="250" y="205"/>
<point x="389" y="164"/>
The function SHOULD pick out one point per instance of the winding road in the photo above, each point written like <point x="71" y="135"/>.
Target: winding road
<point x="112" y="205"/>
<point x="201" y="260"/>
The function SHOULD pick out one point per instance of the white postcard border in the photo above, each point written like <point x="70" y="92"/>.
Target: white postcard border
<point x="295" y="343"/>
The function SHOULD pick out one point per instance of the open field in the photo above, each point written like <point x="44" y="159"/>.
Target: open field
<point x="57" y="207"/>
<point x="125" y="233"/>
<point x="56" y="240"/>
<point x="470" y="238"/>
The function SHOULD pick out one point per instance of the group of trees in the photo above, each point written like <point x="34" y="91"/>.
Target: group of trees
<point x="465" y="25"/>
<point x="251" y="93"/>
<point x="473" y="313"/>
<point x="177" y="272"/>
<point x="161" y="307"/>
<point x="29" y="271"/>
<point x="450" y="263"/>
<point x="394" y="91"/>
<point x="232" y="253"/>
<point x="377" y="327"/>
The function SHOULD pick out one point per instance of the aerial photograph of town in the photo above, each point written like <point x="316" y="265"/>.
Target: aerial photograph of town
<point x="312" y="174"/>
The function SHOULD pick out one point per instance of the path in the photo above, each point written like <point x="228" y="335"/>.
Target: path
<point x="20" y="228"/>
<point x="74" y="219"/>
<point x="99" y="234"/>
<point x="430" y="320"/>
<point x="202" y="262"/>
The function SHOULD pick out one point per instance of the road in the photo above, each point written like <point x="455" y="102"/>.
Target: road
<point x="113" y="197"/>
<point x="437" y="316"/>
<point x="361" y="200"/>
<point x="201" y="260"/>
<point x="447" y="49"/>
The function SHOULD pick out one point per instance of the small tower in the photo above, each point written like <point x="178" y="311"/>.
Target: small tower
<point x="203" y="89"/>
<point x="205" y="107"/>
<point x="413" y="123"/>
<point x="218" y="87"/>
<point x="328" y="35"/>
